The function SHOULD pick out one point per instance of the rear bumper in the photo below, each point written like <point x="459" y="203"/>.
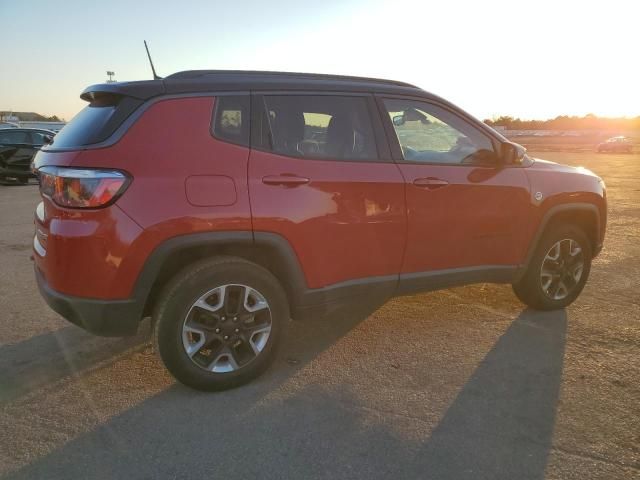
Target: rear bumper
<point x="107" y="318"/>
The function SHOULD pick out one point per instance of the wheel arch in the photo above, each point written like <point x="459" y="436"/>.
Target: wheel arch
<point x="586" y="216"/>
<point x="268" y="250"/>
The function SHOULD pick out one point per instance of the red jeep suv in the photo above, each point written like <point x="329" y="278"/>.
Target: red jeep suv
<point x="224" y="203"/>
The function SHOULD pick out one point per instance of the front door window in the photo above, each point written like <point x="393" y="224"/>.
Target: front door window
<point x="429" y="134"/>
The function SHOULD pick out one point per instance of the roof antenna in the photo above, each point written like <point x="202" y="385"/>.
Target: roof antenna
<point x="155" y="75"/>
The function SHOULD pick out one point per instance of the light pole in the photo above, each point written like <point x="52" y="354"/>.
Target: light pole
<point x="110" y="75"/>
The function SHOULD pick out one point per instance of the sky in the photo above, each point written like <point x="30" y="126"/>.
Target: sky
<point x="528" y="59"/>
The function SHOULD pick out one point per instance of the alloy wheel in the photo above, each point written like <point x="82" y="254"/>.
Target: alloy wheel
<point x="226" y="328"/>
<point x="562" y="269"/>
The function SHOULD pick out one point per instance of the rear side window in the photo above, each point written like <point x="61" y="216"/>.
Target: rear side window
<point x="231" y="119"/>
<point x="320" y="126"/>
<point x="96" y="122"/>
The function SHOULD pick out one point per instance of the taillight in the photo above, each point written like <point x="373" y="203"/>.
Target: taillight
<point x="82" y="187"/>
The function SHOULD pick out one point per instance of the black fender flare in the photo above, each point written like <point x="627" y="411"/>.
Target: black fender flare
<point x="565" y="207"/>
<point x="279" y="250"/>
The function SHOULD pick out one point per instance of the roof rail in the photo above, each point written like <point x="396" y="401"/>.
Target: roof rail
<point x="193" y="74"/>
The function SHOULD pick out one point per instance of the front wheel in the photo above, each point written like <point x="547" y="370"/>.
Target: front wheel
<point x="558" y="270"/>
<point x="218" y="323"/>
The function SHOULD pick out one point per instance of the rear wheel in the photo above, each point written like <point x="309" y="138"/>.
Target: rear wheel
<point x="219" y="322"/>
<point x="558" y="270"/>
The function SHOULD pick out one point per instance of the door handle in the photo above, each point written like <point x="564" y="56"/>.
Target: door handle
<point x="430" y="183"/>
<point x="285" y="180"/>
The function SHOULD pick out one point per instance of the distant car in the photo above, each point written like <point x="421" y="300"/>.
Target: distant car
<point x="17" y="148"/>
<point x="617" y="145"/>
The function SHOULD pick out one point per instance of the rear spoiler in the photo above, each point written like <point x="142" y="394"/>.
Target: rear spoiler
<point x="142" y="90"/>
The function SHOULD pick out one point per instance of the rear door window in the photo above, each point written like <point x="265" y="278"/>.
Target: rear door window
<point x="320" y="126"/>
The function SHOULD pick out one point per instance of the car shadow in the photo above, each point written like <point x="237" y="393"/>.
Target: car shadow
<point x="49" y="357"/>
<point x="500" y="424"/>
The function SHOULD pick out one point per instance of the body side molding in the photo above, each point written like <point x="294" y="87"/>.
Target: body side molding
<point x="411" y="283"/>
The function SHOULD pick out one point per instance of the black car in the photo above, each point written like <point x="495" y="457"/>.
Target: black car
<point x="17" y="148"/>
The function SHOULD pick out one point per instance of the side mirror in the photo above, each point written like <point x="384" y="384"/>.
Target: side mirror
<point x="398" y="120"/>
<point x="482" y="157"/>
<point x="512" y="153"/>
<point x="47" y="139"/>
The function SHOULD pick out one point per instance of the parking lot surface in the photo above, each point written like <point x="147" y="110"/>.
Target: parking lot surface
<point x="461" y="383"/>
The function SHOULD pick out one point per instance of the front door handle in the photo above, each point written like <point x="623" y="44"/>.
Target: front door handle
<point x="286" y="180"/>
<point x="430" y="183"/>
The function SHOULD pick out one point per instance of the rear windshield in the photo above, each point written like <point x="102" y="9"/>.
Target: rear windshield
<point x="95" y="122"/>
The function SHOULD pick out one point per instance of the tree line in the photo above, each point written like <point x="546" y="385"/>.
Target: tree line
<point x="566" y="122"/>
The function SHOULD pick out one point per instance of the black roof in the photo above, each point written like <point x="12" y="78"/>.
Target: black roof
<point x="280" y="76"/>
<point x="193" y="81"/>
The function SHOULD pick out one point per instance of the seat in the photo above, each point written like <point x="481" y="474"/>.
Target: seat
<point x="288" y="131"/>
<point x="340" y="141"/>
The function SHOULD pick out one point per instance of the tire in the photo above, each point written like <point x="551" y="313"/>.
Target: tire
<point x="530" y="289"/>
<point x="225" y="358"/>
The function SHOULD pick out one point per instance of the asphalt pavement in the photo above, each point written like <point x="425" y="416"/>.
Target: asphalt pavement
<point x="459" y="384"/>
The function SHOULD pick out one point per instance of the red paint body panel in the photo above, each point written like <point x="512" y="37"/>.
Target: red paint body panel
<point x="348" y="222"/>
<point x="100" y="253"/>
<point x="85" y="251"/>
<point x="479" y="217"/>
<point x="560" y="184"/>
<point x="170" y="142"/>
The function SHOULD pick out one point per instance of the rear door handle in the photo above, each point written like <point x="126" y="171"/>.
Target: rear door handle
<point x="430" y="183"/>
<point x="285" y="180"/>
